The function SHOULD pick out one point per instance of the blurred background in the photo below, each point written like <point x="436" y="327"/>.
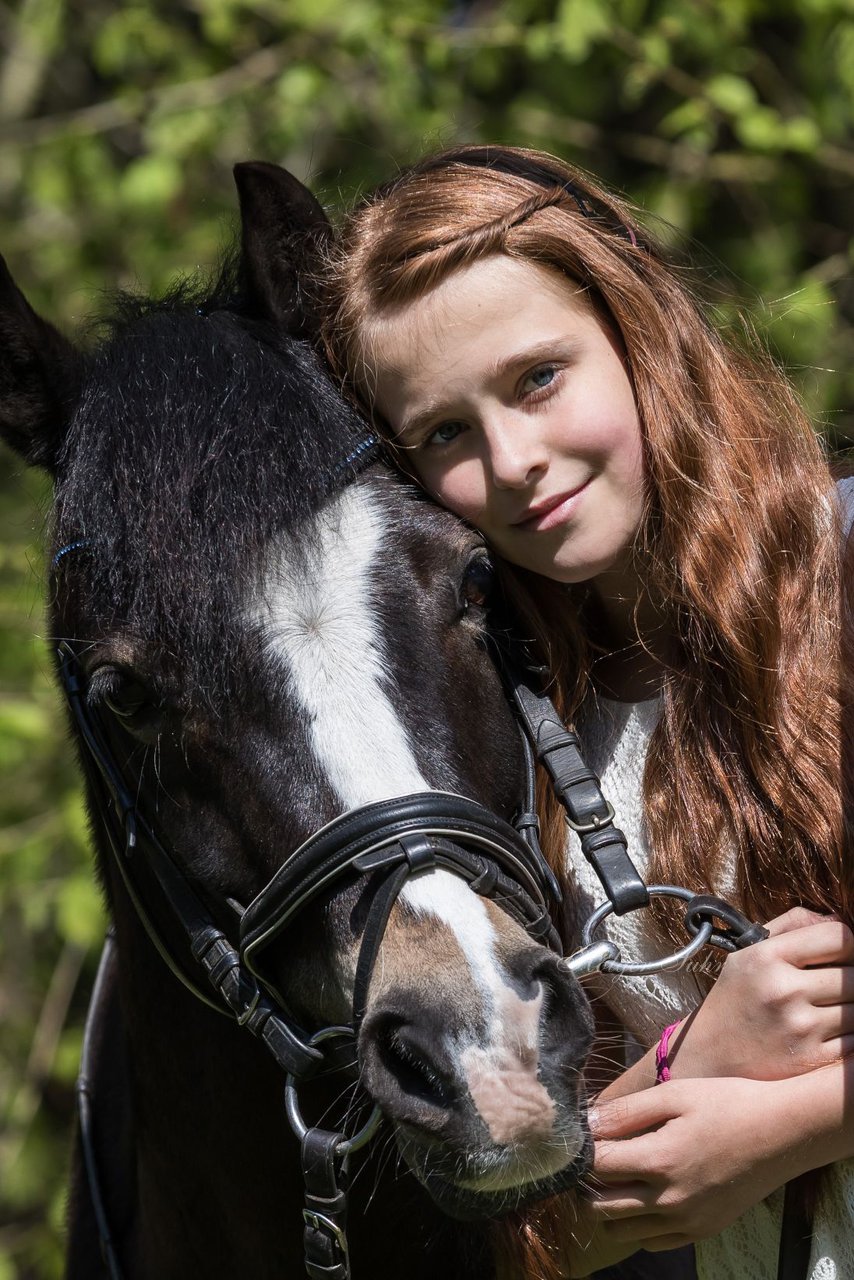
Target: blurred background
<point x="730" y="120"/>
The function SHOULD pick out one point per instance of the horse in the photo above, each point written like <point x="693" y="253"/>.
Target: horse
<point x="263" y="630"/>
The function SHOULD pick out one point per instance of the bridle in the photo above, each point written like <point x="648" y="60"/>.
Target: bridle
<point x="387" y="841"/>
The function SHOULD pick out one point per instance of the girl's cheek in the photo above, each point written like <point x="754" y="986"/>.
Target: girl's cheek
<point x="461" y="489"/>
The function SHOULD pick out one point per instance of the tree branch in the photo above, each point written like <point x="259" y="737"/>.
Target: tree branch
<point x="32" y="42"/>
<point x="103" y="117"/>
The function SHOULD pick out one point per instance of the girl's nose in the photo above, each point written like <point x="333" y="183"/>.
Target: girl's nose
<point x="517" y="453"/>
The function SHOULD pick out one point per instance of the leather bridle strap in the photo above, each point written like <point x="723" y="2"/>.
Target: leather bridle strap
<point x="325" y="1214"/>
<point x="127" y="834"/>
<point x="577" y="787"/>
<point x="796" y="1234"/>
<point x="385" y="896"/>
<point x="85" y="1090"/>
<point x="389" y="841"/>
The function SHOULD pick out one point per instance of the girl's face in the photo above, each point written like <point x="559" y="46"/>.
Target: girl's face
<point x="513" y="402"/>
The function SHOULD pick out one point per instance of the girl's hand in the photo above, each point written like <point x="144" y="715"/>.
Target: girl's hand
<point x="779" y="1008"/>
<point x="682" y="1161"/>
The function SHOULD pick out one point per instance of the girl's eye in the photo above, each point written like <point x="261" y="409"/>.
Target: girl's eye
<point x="446" y="432"/>
<point x="537" y="379"/>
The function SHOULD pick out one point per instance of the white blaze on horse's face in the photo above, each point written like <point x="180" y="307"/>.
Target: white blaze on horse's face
<point x="317" y="616"/>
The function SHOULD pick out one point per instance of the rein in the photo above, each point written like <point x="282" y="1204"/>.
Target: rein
<point x="387" y="841"/>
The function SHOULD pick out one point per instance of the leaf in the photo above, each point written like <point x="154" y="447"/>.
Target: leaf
<point x="151" y="182"/>
<point x="691" y="115"/>
<point x="731" y="94"/>
<point x="761" y="128"/>
<point x="24" y="719"/>
<point x="580" y="24"/>
<point x="801" y="134"/>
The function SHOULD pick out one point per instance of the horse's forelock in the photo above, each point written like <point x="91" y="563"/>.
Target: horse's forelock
<point x="200" y="437"/>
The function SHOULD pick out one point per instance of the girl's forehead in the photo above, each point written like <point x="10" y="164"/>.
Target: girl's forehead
<point x="494" y="297"/>
<point x="474" y="332"/>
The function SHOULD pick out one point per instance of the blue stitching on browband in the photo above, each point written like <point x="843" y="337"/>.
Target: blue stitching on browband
<point x="584" y="207"/>
<point x="72" y="546"/>
<point x="361" y="449"/>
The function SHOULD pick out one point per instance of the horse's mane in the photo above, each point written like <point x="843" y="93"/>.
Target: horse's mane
<point x="201" y="434"/>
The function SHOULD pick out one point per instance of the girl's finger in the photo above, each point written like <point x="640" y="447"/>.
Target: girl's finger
<point x="624" y="1200"/>
<point x="647" y="1231"/>
<point x="830" y="986"/>
<point x="834" y="1050"/>
<point x="623" y="1162"/>
<point x="661" y="1243"/>
<point x="826" y="943"/>
<point x="633" y="1114"/>
<point x="796" y="918"/>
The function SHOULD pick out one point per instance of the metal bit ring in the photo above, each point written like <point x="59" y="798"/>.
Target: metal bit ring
<point x="346" y="1146"/>
<point x="639" y="968"/>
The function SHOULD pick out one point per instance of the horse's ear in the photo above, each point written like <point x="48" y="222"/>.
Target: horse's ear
<point x="283" y="231"/>
<point x="38" y="378"/>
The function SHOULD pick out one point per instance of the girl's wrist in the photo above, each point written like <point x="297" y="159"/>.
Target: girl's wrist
<point x="691" y="1056"/>
<point x="811" y="1117"/>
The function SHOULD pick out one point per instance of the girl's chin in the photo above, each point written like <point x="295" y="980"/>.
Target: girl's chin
<point x="572" y="572"/>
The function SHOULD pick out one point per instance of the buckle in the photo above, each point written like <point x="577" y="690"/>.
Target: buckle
<point x="596" y="823"/>
<point x="320" y="1222"/>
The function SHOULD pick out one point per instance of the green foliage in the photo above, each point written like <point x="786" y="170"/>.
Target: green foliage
<point x="118" y="127"/>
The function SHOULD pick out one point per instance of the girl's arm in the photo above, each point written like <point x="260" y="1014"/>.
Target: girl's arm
<point x="679" y="1162"/>
<point x="778" y="1009"/>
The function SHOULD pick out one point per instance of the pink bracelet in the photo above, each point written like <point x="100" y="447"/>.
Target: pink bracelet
<point x="662" y="1062"/>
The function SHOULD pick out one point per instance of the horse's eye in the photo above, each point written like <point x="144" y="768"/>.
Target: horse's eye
<point x="122" y="693"/>
<point x="128" y="700"/>
<point x="478" y="582"/>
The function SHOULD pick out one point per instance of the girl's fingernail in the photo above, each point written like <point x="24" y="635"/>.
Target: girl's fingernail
<point x="593" y="1118"/>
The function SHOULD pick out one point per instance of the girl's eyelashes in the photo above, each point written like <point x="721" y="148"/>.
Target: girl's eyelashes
<point x="543" y="378"/>
<point x="445" y="433"/>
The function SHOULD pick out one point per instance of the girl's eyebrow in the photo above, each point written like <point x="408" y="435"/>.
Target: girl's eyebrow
<point x="557" y="348"/>
<point x="413" y="425"/>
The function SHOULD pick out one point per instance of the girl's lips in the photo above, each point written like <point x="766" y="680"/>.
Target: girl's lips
<point x="553" y="513"/>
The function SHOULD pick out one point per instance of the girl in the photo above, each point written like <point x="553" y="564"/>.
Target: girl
<point x="664" y="521"/>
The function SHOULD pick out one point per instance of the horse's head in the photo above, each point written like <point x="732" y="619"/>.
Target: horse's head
<point x="269" y="635"/>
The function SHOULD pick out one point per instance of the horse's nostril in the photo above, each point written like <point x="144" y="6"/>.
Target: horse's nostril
<point x="565" y="1021"/>
<point x="411" y="1064"/>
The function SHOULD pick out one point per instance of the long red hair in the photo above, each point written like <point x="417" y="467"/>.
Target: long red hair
<point x="740" y="545"/>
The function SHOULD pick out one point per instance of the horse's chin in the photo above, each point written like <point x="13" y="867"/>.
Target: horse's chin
<point x="470" y="1203"/>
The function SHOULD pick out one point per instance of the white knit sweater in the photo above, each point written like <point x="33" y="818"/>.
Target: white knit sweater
<point x="615" y="737"/>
